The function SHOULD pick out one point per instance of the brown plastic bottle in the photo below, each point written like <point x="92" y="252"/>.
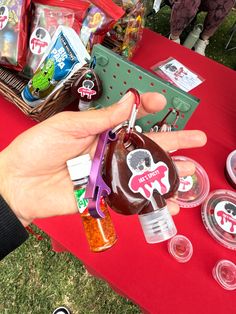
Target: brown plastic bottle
<point x="117" y="174"/>
<point x="141" y="176"/>
<point x="100" y="233"/>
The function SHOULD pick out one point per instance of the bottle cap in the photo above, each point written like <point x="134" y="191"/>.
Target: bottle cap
<point x="219" y="217"/>
<point x="79" y="167"/>
<point x="158" y="226"/>
<point x="231" y="168"/>
<point x="194" y="189"/>
<point x="180" y="247"/>
<point x="224" y="273"/>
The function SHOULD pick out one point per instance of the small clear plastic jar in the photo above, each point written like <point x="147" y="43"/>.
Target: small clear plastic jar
<point x="194" y="189"/>
<point x="224" y="273"/>
<point x="180" y="247"/>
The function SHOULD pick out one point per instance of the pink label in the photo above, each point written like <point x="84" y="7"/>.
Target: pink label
<point x="4" y="15"/>
<point x="146" y="175"/>
<point x="86" y="89"/>
<point x="185" y="184"/>
<point x="39" y="41"/>
<point x="225" y="215"/>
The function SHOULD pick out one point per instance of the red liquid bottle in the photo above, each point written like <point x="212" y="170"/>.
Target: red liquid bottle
<point x="141" y="176"/>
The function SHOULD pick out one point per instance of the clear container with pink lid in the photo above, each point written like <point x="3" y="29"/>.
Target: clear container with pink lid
<point x="231" y="168"/>
<point x="194" y="189"/>
<point x="219" y="217"/>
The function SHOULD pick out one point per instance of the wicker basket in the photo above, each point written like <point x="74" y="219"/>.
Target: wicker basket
<point x="11" y="86"/>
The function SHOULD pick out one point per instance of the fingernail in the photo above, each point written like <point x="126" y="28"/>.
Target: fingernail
<point x="124" y="98"/>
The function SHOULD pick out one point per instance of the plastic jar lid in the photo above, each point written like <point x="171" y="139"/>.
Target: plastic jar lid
<point x="194" y="189"/>
<point x="219" y="217"/>
<point x="224" y="273"/>
<point x="231" y="168"/>
<point x="180" y="247"/>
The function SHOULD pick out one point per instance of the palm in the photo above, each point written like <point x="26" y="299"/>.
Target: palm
<point x="41" y="178"/>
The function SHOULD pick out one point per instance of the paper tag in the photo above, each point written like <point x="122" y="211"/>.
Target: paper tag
<point x="180" y="75"/>
<point x="156" y="5"/>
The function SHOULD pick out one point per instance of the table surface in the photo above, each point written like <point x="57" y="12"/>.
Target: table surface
<point x="145" y="273"/>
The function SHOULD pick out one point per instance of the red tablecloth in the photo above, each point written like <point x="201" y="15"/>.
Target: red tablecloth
<point x="144" y="273"/>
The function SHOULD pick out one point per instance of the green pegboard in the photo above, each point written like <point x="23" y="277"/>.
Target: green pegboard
<point x="118" y="75"/>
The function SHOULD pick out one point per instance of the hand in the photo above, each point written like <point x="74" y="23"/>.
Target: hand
<point x="33" y="172"/>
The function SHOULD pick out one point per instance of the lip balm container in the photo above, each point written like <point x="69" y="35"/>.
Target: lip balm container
<point x="231" y="169"/>
<point x="219" y="217"/>
<point x="194" y="189"/>
<point x="180" y="247"/>
<point x="224" y="273"/>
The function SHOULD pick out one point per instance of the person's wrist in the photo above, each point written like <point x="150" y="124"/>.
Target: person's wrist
<point x="6" y="190"/>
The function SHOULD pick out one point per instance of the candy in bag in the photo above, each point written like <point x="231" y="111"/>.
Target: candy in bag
<point x="100" y="18"/>
<point x="125" y="36"/>
<point x="48" y="15"/>
<point x="13" y="33"/>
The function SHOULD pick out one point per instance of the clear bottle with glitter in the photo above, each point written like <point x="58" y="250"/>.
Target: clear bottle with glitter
<point x="100" y="233"/>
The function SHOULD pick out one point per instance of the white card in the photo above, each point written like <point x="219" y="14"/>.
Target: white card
<point x="180" y="75"/>
<point x="156" y="5"/>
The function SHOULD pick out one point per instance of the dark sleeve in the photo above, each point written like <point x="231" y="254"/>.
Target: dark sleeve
<point x="12" y="232"/>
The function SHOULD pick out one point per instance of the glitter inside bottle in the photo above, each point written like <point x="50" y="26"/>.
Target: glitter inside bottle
<point x="100" y="233"/>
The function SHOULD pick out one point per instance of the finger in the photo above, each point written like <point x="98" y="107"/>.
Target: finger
<point x="173" y="207"/>
<point x="179" y="139"/>
<point x="151" y="103"/>
<point x="185" y="168"/>
<point x="96" y="121"/>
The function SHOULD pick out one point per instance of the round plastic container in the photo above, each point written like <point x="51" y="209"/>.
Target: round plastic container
<point x="194" y="189"/>
<point x="180" y="247"/>
<point x="219" y="217"/>
<point x="231" y="168"/>
<point x="224" y="273"/>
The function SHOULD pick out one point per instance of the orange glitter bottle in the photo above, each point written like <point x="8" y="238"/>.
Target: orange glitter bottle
<point x="100" y="233"/>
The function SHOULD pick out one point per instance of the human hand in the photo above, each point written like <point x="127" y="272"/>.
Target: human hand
<point x="33" y="172"/>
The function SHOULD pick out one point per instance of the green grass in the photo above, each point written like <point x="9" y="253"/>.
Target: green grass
<point x="36" y="280"/>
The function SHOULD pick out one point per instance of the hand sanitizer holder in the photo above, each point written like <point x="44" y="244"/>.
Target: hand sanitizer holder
<point x="137" y="177"/>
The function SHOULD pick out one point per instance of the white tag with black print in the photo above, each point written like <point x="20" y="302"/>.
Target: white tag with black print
<point x="156" y="5"/>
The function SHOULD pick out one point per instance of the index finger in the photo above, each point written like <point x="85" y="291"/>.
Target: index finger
<point x="179" y="139"/>
<point x="151" y="103"/>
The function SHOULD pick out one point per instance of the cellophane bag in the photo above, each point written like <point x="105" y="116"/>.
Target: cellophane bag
<point x="13" y="33"/>
<point x="100" y="18"/>
<point x="126" y="34"/>
<point x="47" y="16"/>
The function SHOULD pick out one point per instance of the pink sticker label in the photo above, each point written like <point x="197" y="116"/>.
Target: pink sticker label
<point x="225" y="215"/>
<point x="39" y="41"/>
<point x="87" y="89"/>
<point x="4" y="15"/>
<point x="185" y="184"/>
<point x="146" y="175"/>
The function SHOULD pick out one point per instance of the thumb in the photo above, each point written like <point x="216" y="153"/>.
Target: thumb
<point x="93" y="122"/>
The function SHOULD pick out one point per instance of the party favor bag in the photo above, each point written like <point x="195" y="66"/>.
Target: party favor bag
<point x="48" y="15"/>
<point x="100" y="18"/>
<point x="13" y="33"/>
